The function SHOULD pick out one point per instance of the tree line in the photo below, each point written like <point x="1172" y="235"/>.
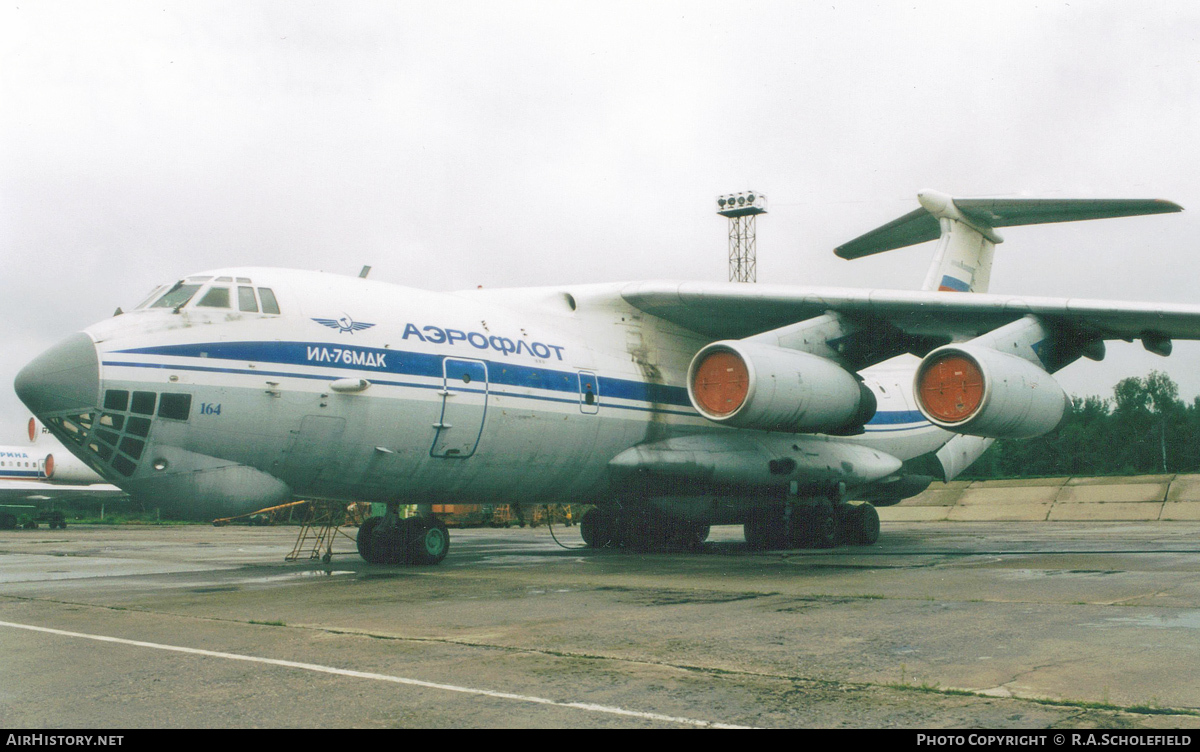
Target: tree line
<point x="1143" y="428"/>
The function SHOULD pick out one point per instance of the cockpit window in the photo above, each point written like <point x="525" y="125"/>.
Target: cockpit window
<point x="269" y="304"/>
<point x="246" y="300"/>
<point x="216" y="297"/>
<point x="157" y="291"/>
<point x="176" y="296"/>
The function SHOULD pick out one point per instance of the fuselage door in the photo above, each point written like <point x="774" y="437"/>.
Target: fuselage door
<point x="464" y="405"/>
<point x="589" y="393"/>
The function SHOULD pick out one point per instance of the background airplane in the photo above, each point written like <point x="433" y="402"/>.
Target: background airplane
<point x="44" y="472"/>
<point x="670" y="406"/>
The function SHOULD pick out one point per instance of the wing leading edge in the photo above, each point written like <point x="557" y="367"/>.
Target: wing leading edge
<point x="735" y="311"/>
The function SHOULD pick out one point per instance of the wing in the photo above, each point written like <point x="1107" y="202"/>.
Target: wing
<point x="734" y="311"/>
<point x="32" y="491"/>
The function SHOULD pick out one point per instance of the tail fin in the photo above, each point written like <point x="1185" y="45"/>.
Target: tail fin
<point x="965" y="229"/>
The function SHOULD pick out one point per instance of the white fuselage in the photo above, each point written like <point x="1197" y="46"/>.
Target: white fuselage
<point x="363" y="390"/>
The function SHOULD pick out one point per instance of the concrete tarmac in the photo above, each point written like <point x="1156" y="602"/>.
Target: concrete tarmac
<point x="939" y="625"/>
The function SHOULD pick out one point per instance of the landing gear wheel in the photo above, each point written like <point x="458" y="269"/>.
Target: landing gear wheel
<point x="818" y="526"/>
<point x="764" y="530"/>
<point x="388" y="541"/>
<point x="596" y="529"/>
<point x="365" y="532"/>
<point x="633" y="531"/>
<point x="428" y="540"/>
<point x="862" y="525"/>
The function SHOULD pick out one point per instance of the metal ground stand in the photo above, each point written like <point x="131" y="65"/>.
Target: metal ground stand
<point x="322" y="525"/>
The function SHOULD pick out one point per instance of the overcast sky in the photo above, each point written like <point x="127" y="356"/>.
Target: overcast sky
<point x="455" y="144"/>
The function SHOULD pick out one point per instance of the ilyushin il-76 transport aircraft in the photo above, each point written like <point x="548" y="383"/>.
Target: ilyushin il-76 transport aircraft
<point x="670" y="406"/>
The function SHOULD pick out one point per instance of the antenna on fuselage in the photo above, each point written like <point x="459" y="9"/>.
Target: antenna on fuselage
<point x="365" y="271"/>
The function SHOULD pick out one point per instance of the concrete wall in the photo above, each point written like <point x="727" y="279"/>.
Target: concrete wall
<point x="1139" y="497"/>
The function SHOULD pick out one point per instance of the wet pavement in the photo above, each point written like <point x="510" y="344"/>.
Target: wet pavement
<point x="939" y="625"/>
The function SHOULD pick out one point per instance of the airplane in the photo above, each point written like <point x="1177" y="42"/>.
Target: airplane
<point x="670" y="406"/>
<point x="30" y="476"/>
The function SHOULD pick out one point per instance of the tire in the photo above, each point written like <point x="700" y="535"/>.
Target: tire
<point x="365" y="531"/>
<point x="428" y="540"/>
<point x="596" y="529"/>
<point x="8" y="521"/>
<point x="764" y="530"/>
<point x="863" y="527"/>
<point x="818" y="526"/>
<point x="389" y="541"/>
<point x="633" y="531"/>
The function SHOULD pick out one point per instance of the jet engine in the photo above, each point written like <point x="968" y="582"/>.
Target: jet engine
<point x="65" y="468"/>
<point x="754" y="385"/>
<point x="978" y="391"/>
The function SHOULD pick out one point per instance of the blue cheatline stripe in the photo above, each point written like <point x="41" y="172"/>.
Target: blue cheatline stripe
<point x="384" y="382"/>
<point x="428" y="365"/>
<point x="19" y="474"/>
<point x="892" y="417"/>
<point x="373" y="359"/>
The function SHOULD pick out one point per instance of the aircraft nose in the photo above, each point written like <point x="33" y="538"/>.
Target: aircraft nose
<point x="65" y="377"/>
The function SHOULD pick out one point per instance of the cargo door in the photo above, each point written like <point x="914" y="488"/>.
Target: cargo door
<point x="464" y="405"/>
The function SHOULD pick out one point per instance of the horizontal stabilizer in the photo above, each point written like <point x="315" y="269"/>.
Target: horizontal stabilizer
<point x="922" y="224"/>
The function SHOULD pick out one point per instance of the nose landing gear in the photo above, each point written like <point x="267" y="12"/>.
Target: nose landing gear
<point x="412" y="540"/>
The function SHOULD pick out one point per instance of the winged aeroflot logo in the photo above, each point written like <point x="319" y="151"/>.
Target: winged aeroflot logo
<point x="344" y="324"/>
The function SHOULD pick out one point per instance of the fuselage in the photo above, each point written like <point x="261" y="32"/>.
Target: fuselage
<point x="285" y="384"/>
<point x="22" y="463"/>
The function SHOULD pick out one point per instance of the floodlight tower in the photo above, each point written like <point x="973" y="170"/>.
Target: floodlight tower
<point x="742" y="208"/>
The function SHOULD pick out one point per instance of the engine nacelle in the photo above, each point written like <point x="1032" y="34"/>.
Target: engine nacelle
<point x="64" y="467"/>
<point x="753" y="385"/>
<point x="978" y="391"/>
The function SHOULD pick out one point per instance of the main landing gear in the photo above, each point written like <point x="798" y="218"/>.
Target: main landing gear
<point x="818" y="523"/>
<point x="639" y="530"/>
<point x="391" y="539"/>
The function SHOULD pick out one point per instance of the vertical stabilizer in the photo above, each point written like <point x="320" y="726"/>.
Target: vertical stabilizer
<point x="963" y="259"/>
<point x="966" y="235"/>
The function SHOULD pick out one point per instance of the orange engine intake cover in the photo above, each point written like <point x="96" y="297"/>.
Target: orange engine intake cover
<point x="951" y="388"/>
<point x="721" y="382"/>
